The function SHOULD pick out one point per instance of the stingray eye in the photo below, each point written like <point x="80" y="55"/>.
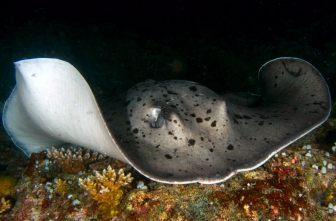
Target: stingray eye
<point x="156" y="119"/>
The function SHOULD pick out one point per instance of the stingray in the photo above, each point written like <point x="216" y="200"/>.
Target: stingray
<point x="172" y="131"/>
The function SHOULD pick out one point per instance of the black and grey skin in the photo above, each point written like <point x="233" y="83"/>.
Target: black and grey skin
<point x="182" y="132"/>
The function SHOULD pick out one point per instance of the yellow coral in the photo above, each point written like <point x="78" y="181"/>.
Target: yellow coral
<point x="4" y="205"/>
<point x="105" y="188"/>
<point x="60" y="186"/>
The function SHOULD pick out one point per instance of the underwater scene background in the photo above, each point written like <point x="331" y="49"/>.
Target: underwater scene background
<point x="117" y="44"/>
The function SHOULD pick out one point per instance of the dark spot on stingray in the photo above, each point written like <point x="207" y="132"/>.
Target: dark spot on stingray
<point x="175" y="121"/>
<point x="263" y="117"/>
<point x="211" y="150"/>
<point x="199" y="120"/>
<point x="175" y="138"/>
<point x="213" y="124"/>
<point x="247" y="117"/>
<point x="139" y="99"/>
<point x="238" y="116"/>
<point x="170" y="133"/>
<point x="193" y="88"/>
<point x="168" y="156"/>
<point x="135" y="130"/>
<point x="208" y="111"/>
<point x="196" y="105"/>
<point x="165" y="95"/>
<point x="171" y="92"/>
<point x="234" y="120"/>
<point x="202" y="138"/>
<point x="207" y="118"/>
<point x="157" y="146"/>
<point x="295" y="108"/>
<point x="143" y="104"/>
<point x="193" y="115"/>
<point x="191" y="142"/>
<point x="261" y="123"/>
<point x="173" y="106"/>
<point x="128" y="122"/>
<point x="230" y="147"/>
<point x="276" y="76"/>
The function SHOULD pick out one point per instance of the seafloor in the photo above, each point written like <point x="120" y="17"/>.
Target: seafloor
<point x="299" y="183"/>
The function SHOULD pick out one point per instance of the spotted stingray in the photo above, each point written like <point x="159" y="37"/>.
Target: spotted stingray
<point x="171" y="131"/>
<point x="182" y="132"/>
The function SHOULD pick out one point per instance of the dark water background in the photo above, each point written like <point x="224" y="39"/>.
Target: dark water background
<point x="116" y="44"/>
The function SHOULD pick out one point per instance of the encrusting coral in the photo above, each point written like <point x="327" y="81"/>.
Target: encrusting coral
<point x="73" y="160"/>
<point x="4" y="205"/>
<point x="7" y="184"/>
<point x="105" y="188"/>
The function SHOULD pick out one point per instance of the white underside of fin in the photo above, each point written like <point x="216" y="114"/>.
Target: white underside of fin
<point x="52" y="104"/>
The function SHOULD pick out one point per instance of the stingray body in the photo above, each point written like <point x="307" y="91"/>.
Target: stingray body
<point x="182" y="132"/>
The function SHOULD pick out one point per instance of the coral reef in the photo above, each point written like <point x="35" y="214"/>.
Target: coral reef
<point x="105" y="188"/>
<point x="43" y="194"/>
<point x="4" y="205"/>
<point x="7" y="184"/>
<point x="73" y="160"/>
